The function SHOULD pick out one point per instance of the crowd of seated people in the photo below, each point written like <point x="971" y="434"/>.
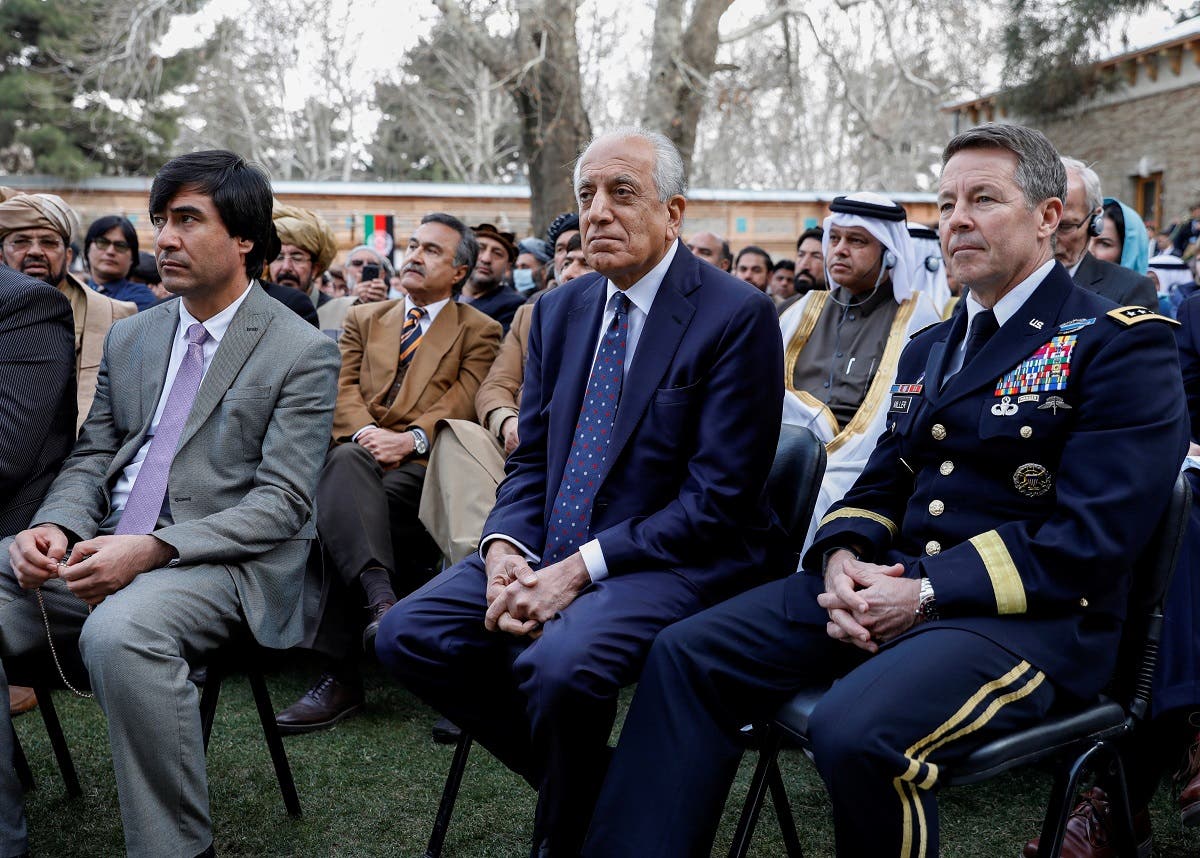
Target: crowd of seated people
<point x="522" y="474"/>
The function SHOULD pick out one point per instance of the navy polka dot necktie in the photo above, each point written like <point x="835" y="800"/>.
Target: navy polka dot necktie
<point x="572" y="516"/>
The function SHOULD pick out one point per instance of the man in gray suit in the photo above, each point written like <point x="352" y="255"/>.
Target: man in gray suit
<point x="1082" y="219"/>
<point x="185" y="505"/>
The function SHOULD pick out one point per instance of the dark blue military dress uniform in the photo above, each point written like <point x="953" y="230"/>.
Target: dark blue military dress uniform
<point x="1022" y="487"/>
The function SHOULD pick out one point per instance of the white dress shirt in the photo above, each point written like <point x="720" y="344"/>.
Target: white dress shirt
<point x="216" y="327"/>
<point x="1004" y="310"/>
<point x="641" y="297"/>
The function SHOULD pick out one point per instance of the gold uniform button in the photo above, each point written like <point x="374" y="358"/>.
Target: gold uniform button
<point x="933" y="547"/>
<point x="1026" y="431"/>
<point x="936" y="507"/>
<point x="939" y="432"/>
<point x="947" y="469"/>
<point x="1083" y="603"/>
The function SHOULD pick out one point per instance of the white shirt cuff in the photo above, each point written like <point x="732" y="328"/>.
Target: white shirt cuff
<point x="491" y="537"/>
<point x="593" y="560"/>
<point x="354" y="437"/>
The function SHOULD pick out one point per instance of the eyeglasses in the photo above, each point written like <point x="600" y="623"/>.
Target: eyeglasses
<point x="24" y="243"/>
<point x="105" y="244"/>
<point x="295" y="258"/>
<point x="1066" y="228"/>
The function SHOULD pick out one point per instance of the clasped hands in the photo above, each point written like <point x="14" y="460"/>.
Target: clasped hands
<point x="519" y="599"/>
<point x="867" y="603"/>
<point x="387" y="447"/>
<point x="96" y="568"/>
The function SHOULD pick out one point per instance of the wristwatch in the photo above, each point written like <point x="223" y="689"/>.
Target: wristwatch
<point x="926" y="604"/>
<point x="420" y="445"/>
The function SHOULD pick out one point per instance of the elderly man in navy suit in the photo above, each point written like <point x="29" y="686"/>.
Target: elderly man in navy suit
<point x="977" y="570"/>
<point x="636" y="497"/>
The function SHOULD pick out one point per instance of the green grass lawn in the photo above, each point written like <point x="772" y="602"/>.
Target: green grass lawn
<point x="370" y="787"/>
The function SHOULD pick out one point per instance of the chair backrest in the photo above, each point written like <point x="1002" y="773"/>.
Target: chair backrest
<point x="1143" y="623"/>
<point x="795" y="479"/>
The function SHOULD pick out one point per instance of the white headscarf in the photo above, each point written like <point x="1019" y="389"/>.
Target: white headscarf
<point x="1170" y="271"/>
<point x="928" y="269"/>
<point x="892" y="234"/>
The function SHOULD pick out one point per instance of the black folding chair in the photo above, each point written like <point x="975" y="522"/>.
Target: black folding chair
<point x="1077" y="740"/>
<point x="241" y="655"/>
<point x="792" y="487"/>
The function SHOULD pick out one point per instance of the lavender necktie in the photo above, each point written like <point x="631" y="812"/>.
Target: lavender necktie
<point x="146" y="497"/>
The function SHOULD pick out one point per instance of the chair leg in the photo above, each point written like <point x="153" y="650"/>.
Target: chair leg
<point x="57" y="740"/>
<point x="754" y="798"/>
<point x="783" y="812"/>
<point x="1062" y="801"/>
<point x="449" y="795"/>
<point x="1124" y="837"/>
<point x="208" y="703"/>
<point x="21" y="763"/>
<point x="266" y="716"/>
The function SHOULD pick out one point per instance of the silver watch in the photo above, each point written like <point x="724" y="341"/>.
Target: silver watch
<point x="927" y="603"/>
<point x="420" y="446"/>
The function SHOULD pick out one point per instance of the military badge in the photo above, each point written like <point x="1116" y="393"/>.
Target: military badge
<point x="1054" y="403"/>
<point x="1075" y="325"/>
<point x="1032" y="480"/>
<point x="908" y="388"/>
<point x="1047" y="369"/>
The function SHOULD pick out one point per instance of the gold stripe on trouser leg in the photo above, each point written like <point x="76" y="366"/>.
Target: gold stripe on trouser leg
<point x="906" y="786"/>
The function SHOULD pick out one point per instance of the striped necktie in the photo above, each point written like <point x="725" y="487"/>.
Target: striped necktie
<point x="571" y="519"/>
<point x="410" y="336"/>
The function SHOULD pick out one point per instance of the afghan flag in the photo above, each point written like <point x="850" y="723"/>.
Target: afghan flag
<point x="378" y="233"/>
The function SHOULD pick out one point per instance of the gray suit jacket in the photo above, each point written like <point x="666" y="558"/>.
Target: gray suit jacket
<point x="1116" y="283"/>
<point x="242" y="481"/>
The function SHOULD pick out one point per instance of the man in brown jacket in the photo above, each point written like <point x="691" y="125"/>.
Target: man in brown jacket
<point x="406" y="365"/>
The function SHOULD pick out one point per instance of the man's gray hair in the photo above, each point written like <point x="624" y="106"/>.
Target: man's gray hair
<point x="1091" y="182"/>
<point x="1040" y="172"/>
<point x="669" y="180"/>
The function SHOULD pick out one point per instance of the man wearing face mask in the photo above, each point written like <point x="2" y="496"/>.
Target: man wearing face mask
<point x="529" y="272"/>
<point x="841" y="345"/>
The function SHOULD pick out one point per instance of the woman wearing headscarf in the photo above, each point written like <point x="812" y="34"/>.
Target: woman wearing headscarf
<point x="1123" y="240"/>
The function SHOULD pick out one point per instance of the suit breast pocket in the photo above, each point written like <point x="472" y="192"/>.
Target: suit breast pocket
<point x="670" y="396"/>
<point x="244" y="415"/>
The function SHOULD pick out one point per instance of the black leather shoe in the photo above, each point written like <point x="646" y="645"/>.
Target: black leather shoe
<point x="323" y="705"/>
<point x="374" y="617"/>
<point x="445" y="732"/>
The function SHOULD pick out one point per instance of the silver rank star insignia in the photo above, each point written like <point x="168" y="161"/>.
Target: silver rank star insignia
<point x="1032" y="480"/>
<point x="1054" y="403"/>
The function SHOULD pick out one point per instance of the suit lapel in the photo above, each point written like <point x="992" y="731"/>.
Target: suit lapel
<point x="442" y="333"/>
<point x="383" y="352"/>
<point x="669" y="318"/>
<point x="1035" y="322"/>
<point x="155" y="354"/>
<point x="245" y="330"/>
<point x="575" y="368"/>
<point x="939" y="353"/>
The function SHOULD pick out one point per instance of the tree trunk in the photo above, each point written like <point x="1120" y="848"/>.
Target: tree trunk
<point x="681" y="63"/>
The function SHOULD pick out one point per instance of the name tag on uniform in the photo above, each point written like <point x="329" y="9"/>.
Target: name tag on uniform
<point x="901" y="403"/>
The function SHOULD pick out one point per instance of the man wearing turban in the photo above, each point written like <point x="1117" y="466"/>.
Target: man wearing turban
<point x="308" y="247"/>
<point x="36" y="233"/>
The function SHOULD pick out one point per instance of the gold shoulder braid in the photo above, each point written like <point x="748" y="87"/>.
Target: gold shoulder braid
<point x="50" y="640"/>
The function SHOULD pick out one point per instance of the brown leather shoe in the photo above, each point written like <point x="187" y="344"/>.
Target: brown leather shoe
<point x="1189" y="799"/>
<point x="374" y="617"/>
<point x="1090" y="830"/>
<point x="323" y="705"/>
<point x="20" y="699"/>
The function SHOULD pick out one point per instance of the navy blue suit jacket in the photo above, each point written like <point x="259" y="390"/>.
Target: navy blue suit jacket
<point x="1187" y="336"/>
<point x="682" y="486"/>
<point x="1046" y="575"/>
